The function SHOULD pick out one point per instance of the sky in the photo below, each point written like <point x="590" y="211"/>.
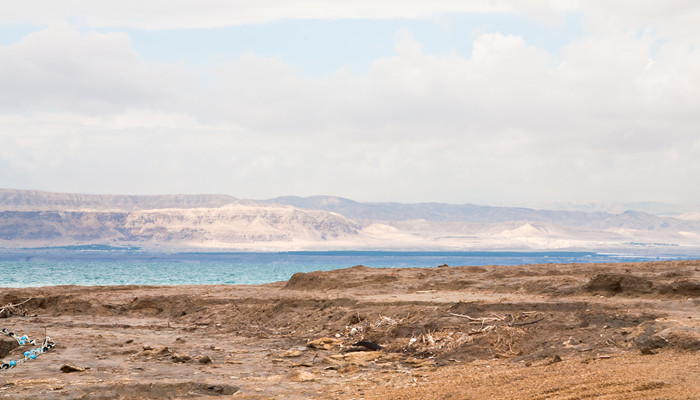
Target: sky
<point x="487" y="102"/>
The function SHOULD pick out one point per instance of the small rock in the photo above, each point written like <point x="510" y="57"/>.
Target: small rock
<point x="646" y="351"/>
<point x="66" y="369"/>
<point x="324" y="343"/>
<point x="147" y="348"/>
<point x="181" y="357"/>
<point x="204" y="359"/>
<point x="556" y="359"/>
<point x="302" y="364"/>
<point x="291" y="353"/>
<point x="303" y="376"/>
<point x="362" y="357"/>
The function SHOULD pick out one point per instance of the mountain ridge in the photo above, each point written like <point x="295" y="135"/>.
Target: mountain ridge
<point x="35" y="219"/>
<point x="444" y="212"/>
<point x="27" y="200"/>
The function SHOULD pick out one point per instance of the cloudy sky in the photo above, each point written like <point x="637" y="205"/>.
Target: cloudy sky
<point x="486" y="102"/>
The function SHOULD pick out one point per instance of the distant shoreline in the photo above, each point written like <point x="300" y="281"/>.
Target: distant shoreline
<point x="31" y="268"/>
<point x="79" y="253"/>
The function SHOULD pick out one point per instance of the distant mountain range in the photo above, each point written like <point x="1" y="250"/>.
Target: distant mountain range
<point x="33" y="200"/>
<point x="441" y="212"/>
<point x="31" y="219"/>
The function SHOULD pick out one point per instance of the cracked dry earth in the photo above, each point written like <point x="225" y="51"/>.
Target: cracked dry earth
<point x="579" y="331"/>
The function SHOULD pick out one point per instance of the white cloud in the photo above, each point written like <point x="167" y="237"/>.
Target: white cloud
<point x="612" y="115"/>
<point x="674" y="20"/>
<point x="162" y="14"/>
<point x="59" y="68"/>
<point x="408" y="90"/>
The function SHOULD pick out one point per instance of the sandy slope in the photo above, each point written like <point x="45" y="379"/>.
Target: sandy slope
<point x="613" y="331"/>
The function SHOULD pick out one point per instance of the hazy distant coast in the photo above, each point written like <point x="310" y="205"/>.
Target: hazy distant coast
<point x="35" y="219"/>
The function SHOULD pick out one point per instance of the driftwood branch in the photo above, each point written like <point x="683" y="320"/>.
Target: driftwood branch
<point x="490" y="323"/>
<point x="479" y="320"/>
<point x="465" y="316"/>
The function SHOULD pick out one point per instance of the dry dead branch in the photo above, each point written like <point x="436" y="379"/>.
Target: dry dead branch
<point x="479" y="320"/>
<point x="12" y="309"/>
<point x="488" y="324"/>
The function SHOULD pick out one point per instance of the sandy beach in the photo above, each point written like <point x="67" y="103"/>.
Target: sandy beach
<point x="612" y="331"/>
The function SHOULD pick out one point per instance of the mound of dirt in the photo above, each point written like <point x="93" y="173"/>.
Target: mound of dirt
<point x="7" y="344"/>
<point x="316" y="280"/>
<point x="614" y="283"/>
<point x="358" y="275"/>
<point x="683" y="288"/>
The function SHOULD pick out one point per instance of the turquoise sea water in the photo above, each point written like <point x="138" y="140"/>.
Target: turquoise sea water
<point x="25" y="269"/>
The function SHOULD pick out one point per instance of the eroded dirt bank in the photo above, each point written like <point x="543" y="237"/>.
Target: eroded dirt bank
<point x="627" y="331"/>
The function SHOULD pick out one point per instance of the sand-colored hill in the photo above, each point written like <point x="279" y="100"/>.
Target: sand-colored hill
<point x="222" y="227"/>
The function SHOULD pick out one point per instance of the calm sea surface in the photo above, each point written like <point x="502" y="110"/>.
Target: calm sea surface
<point x="26" y="269"/>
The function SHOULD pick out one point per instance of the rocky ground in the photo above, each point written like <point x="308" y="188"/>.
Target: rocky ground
<point x="612" y="331"/>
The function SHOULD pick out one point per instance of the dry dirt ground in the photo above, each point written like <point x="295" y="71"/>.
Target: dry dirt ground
<point x="579" y="331"/>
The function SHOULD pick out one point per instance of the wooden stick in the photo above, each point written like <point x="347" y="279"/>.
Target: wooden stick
<point x="465" y="316"/>
<point x="497" y="317"/>
<point x="484" y="319"/>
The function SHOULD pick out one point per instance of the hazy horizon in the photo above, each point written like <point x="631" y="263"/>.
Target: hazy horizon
<point x="494" y="103"/>
<point x="661" y="208"/>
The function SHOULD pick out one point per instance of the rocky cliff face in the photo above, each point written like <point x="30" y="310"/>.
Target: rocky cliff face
<point x="232" y="224"/>
<point x="239" y="224"/>
<point x="60" y="226"/>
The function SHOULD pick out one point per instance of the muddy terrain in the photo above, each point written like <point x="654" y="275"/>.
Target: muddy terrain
<point x="613" y="331"/>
